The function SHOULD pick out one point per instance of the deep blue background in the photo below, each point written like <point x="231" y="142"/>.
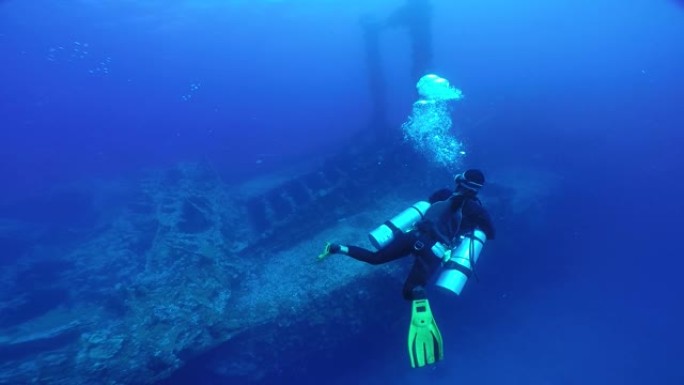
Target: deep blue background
<point x="589" y="91"/>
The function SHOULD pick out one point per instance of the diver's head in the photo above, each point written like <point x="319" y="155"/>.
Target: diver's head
<point x="470" y="181"/>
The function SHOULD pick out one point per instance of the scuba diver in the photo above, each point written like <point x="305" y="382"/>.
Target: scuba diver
<point x="447" y="233"/>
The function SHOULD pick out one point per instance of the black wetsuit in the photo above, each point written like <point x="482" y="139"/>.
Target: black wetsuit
<point x="450" y="216"/>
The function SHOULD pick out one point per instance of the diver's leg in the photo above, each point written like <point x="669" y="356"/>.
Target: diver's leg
<point x="401" y="246"/>
<point x="422" y="269"/>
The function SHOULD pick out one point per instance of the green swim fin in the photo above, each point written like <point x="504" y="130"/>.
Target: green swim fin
<point x="424" y="339"/>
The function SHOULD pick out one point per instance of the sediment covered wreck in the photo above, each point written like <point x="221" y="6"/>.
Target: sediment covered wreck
<point x="180" y="263"/>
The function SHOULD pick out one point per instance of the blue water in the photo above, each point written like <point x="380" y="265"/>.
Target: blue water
<point x="587" y="93"/>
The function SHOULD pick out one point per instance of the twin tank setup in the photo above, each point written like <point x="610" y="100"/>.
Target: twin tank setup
<point x="457" y="264"/>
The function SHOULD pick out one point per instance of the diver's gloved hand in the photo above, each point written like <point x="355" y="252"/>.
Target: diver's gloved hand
<point x="332" y="248"/>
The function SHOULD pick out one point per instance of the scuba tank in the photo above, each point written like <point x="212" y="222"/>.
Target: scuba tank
<point x="403" y="222"/>
<point x="459" y="265"/>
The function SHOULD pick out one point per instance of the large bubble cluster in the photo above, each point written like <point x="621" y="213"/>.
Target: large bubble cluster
<point x="433" y="87"/>
<point x="428" y="127"/>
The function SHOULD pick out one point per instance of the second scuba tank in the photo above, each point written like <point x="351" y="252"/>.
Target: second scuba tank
<point x="404" y="221"/>
<point x="460" y="265"/>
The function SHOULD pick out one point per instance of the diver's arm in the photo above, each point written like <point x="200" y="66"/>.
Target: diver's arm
<point x="440" y="195"/>
<point x="484" y="221"/>
<point x="481" y="218"/>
